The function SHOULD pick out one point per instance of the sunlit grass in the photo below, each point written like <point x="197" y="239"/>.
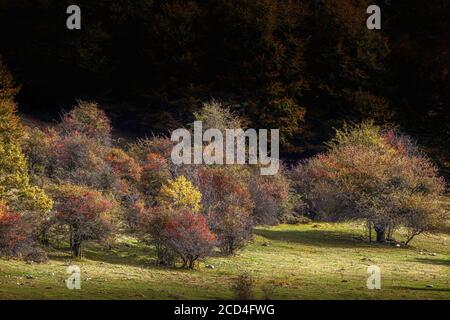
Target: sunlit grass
<point x="315" y="261"/>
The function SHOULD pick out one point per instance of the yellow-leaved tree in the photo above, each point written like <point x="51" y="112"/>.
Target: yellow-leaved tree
<point x="15" y="188"/>
<point x="180" y="194"/>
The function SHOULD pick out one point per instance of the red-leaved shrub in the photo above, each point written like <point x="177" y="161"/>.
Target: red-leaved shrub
<point x="84" y="212"/>
<point x="155" y="173"/>
<point x="222" y="187"/>
<point x="13" y="234"/>
<point x="183" y="235"/>
<point x="188" y="235"/>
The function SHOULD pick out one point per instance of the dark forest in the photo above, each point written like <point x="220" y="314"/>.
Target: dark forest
<point x="303" y="66"/>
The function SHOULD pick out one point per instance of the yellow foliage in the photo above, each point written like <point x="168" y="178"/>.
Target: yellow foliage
<point x="180" y="193"/>
<point x="15" y="188"/>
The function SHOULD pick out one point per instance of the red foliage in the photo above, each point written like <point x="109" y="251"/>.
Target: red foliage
<point x="401" y="143"/>
<point x="189" y="226"/>
<point x="81" y="207"/>
<point x="155" y="161"/>
<point x="12" y="232"/>
<point x="275" y="187"/>
<point x="84" y="211"/>
<point x="74" y="152"/>
<point x="185" y="233"/>
<point x="123" y="165"/>
<point x="188" y="234"/>
<point x="135" y="214"/>
<point x="219" y="190"/>
<point x="155" y="173"/>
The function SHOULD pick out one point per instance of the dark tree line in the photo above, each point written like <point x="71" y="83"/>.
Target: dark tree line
<point x="301" y="66"/>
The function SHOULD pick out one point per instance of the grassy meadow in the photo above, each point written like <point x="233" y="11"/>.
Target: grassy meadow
<point x="313" y="261"/>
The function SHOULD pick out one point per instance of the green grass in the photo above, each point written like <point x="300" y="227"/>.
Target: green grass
<point x="316" y="261"/>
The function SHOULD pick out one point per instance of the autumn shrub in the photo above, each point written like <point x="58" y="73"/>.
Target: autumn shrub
<point x="85" y="213"/>
<point x="422" y="214"/>
<point x="155" y="172"/>
<point x="160" y="145"/>
<point x="214" y="115"/>
<point x="224" y="186"/>
<point x="78" y="151"/>
<point x="125" y="176"/>
<point x="88" y="119"/>
<point x="178" y="235"/>
<point x="376" y="175"/>
<point x="39" y="147"/>
<point x="178" y="194"/>
<point x="188" y="235"/>
<point x="13" y="234"/>
<point x="233" y="227"/>
<point x="154" y="156"/>
<point x="123" y="165"/>
<point x="17" y="237"/>
<point x="227" y="201"/>
<point x="23" y="205"/>
<point x="81" y="160"/>
<point x="272" y="197"/>
<point x="135" y="212"/>
<point x="152" y="225"/>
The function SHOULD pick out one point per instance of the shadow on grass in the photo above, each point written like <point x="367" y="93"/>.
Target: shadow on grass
<point x="446" y="230"/>
<point x="420" y="289"/>
<point x="126" y="254"/>
<point x="318" y="238"/>
<point x="441" y="262"/>
<point x="121" y="254"/>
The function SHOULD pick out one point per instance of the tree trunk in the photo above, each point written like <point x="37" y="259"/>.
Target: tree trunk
<point x="390" y="233"/>
<point x="75" y="245"/>
<point x="191" y="262"/>
<point x="76" y="250"/>
<point x="44" y="238"/>
<point x="381" y="234"/>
